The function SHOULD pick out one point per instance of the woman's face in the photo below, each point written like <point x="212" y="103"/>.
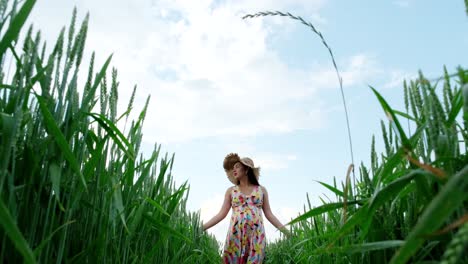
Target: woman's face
<point x="239" y="170"/>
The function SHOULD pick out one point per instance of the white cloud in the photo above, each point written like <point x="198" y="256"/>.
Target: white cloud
<point x="274" y="161"/>
<point x="396" y="79"/>
<point x="209" y="72"/>
<point x="268" y="161"/>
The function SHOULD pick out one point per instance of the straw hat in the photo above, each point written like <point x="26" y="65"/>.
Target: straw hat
<point x="231" y="159"/>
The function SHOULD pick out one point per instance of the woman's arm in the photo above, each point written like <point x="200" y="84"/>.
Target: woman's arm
<point x="222" y="213"/>
<point x="269" y="215"/>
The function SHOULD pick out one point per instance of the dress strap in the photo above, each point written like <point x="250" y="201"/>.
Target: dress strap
<point x="234" y="189"/>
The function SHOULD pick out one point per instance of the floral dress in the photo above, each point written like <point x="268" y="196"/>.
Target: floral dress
<point x="245" y="241"/>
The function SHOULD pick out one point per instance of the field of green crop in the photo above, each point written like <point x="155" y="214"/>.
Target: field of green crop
<point x="75" y="188"/>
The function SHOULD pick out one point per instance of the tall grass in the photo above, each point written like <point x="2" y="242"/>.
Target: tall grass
<point x="74" y="188"/>
<point x="408" y="205"/>
<point x="411" y="203"/>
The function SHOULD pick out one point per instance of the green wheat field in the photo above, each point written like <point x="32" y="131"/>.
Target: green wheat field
<point x="74" y="188"/>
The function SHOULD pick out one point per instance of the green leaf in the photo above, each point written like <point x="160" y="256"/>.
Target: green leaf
<point x="157" y="206"/>
<point x="457" y="104"/>
<point x="331" y="188"/>
<point x="397" y="158"/>
<point x="391" y="190"/>
<point x="450" y="198"/>
<point x="359" y="216"/>
<point x="162" y="171"/>
<point x="96" y="156"/>
<point x="145" y="173"/>
<point x="44" y="242"/>
<point x="365" y="247"/>
<point x="7" y="126"/>
<point x="163" y="227"/>
<point x="13" y="232"/>
<point x="174" y="201"/>
<point x="16" y="24"/>
<point x="136" y="219"/>
<point x="55" y="175"/>
<point x="393" y="119"/>
<point x="405" y="115"/>
<point x="115" y="134"/>
<point x="464" y="90"/>
<point x="7" y="86"/>
<point x="384" y="172"/>
<point x="118" y="204"/>
<point x="54" y="130"/>
<point x="320" y="210"/>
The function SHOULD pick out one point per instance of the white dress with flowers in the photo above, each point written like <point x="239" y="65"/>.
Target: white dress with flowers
<point x="245" y="241"/>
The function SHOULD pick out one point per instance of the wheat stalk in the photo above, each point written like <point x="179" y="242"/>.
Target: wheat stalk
<point x="454" y="250"/>
<point x="340" y="80"/>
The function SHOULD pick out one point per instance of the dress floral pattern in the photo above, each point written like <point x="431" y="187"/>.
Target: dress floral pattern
<point x="245" y="241"/>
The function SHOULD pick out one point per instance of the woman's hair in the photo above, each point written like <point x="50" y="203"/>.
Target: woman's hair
<point x="250" y="175"/>
<point x="230" y="160"/>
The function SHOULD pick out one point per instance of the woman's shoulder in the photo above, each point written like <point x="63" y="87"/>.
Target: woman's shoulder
<point x="263" y="188"/>
<point x="230" y="189"/>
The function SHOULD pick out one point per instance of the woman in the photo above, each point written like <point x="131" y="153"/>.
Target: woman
<point x="245" y="241"/>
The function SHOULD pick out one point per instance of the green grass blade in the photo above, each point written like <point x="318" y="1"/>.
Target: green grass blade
<point x="162" y="171"/>
<point x="114" y="133"/>
<point x="405" y="115"/>
<point x="136" y="219"/>
<point x="331" y="188"/>
<point x="397" y="158"/>
<point x="7" y="126"/>
<point x="166" y="228"/>
<point x="38" y="249"/>
<point x="157" y="206"/>
<point x="362" y="248"/>
<point x="457" y="104"/>
<point x="15" y="27"/>
<point x="359" y="216"/>
<point x="55" y="175"/>
<point x="320" y="210"/>
<point x="145" y="172"/>
<point x="117" y="199"/>
<point x="386" y="170"/>
<point x="391" y="190"/>
<point x="12" y="231"/>
<point x="54" y="130"/>
<point x="392" y="116"/>
<point x="450" y="197"/>
<point x="173" y="202"/>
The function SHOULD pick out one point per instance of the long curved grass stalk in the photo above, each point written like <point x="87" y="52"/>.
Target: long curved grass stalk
<point x="340" y="80"/>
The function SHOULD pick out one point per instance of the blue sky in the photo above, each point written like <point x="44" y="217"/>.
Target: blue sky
<point x="264" y="87"/>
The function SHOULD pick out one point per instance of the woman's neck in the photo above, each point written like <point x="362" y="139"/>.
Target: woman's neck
<point x="244" y="183"/>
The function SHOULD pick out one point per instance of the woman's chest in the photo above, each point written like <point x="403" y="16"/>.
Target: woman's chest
<point x="240" y="199"/>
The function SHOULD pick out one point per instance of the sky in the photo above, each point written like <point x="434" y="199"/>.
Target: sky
<point x="264" y="87"/>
